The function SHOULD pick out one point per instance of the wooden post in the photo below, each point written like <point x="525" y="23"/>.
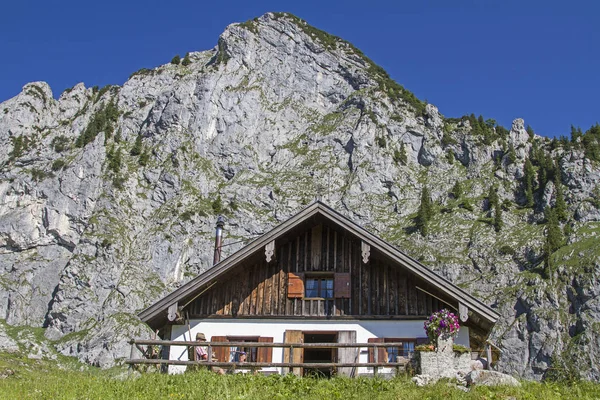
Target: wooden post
<point x="376" y="359"/>
<point x="131" y="353"/>
<point x="209" y="354"/>
<point x="488" y="349"/>
<point x="291" y="358"/>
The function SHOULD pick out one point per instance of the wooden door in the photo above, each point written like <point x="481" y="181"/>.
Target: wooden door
<point x="348" y="354"/>
<point x="292" y="336"/>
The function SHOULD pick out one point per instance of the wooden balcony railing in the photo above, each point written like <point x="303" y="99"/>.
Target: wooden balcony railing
<point x="291" y="364"/>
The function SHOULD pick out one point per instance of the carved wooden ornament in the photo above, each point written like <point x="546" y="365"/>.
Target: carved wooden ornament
<point x="172" y="312"/>
<point x="463" y="312"/>
<point x="270" y="250"/>
<point x="366" y="252"/>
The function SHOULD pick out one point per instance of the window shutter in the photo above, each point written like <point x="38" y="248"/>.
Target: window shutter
<point x="265" y="354"/>
<point x="382" y="353"/>
<point x="295" y="285"/>
<point x="341" y="284"/>
<point x="221" y="354"/>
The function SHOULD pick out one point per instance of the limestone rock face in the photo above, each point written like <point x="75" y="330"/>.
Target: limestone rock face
<point x="108" y="198"/>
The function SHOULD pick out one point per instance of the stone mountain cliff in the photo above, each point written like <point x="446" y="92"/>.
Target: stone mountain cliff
<point x="108" y="197"/>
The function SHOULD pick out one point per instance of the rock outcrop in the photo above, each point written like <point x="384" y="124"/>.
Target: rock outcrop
<point x="108" y="197"/>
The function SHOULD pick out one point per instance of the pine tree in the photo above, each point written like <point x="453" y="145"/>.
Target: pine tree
<point x="186" y="60"/>
<point x="492" y="197"/>
<point x="136" y="150"/>
<point x="425" y="212"/>
<point x="176" y="60"/>
<point x="560" y="206"/>
<point x="528" y="174"/>
<point x="543" y="170"/>
<point x="457" y="190"/>
<point x="512" y="154"/>
<point x="400" y="155"/>
<point x="530" y="131"/>
<point x="498" y="218"/>
<point x="554" y="239"/>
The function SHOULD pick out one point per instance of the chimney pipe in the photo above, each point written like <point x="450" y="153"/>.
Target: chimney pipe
<point x="218" y="239"/>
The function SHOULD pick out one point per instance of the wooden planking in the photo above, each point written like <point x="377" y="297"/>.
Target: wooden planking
<point x="306" y="251"/>
<point x="364" y="282"/>
<point x="259" y="288"/>
<point x="386" y="293"/>
<point x="402" y="294"/>
<point x="393" y="275"/>
<point x="316" y="247"/>
<point x="412" y="296"/>
<point x="356" y="277"/>
<point x="254" y="298"/>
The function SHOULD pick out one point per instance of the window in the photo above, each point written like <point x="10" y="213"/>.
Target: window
<point x="407" y="349"/>
<point x="253" y="354"/>
<point x="234" y="351"/>
<point x="321" y="287"/>
<point x="390" y="354"/>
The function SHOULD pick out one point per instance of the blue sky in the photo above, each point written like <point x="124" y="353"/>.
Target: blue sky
<point x="538" y="60"/>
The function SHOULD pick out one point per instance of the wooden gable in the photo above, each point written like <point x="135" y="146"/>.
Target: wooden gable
<point x="319" y="250"/>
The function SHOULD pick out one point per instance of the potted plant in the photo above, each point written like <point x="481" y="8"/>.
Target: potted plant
<point x="441" y="328"/>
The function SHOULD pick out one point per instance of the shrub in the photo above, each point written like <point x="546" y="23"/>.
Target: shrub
<point x="136" y="150"/>
<point x="381" y="142"/>
<point x="186" y="60"/>
<point x="425" y="347"/>
<point x="217" y="205"/>
<point x="400" y="156"/>
<point x="114" y="160"/>
<point x="60" y="143"/>
<point x="448" y="140"/>
<point x="176" y="60"/>
<point x="20" y="145"/>
<point x="186" y="215"/>
<point x="58" y="164"/>
<point x="39" y="175"/>
<point x="457" y="190"/>
<point x="142" y="72"/>
<point x="507" y="250"/>
<point x="102" y="121"/>
<point x="460" y="349"/>
<point x="144" y="158"/>
<point x="466" y="204"/>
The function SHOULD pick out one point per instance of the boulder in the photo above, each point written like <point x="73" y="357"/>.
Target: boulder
<point x="490" y="378"/>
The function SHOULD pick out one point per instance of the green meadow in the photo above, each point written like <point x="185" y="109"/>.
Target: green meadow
<point x="23" y="378"/>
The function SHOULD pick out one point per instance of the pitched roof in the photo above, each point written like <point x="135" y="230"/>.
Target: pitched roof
<point x="157" y="311"/>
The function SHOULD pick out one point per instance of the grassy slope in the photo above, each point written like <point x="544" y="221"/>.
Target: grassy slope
<point x="39" y="379"/>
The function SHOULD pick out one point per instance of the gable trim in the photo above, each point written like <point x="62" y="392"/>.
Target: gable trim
<point x="413" y="266"/>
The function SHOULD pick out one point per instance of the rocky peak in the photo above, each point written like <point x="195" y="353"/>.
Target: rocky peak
<point x="108" y="196"/>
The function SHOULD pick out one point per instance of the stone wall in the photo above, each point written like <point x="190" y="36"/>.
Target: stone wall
<point x="443" y="362"/>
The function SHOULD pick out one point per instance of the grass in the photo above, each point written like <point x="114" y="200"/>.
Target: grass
<point x="42" y="379"/>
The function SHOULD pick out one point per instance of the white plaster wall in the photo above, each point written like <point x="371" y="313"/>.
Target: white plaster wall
<point x="276" y="329"/>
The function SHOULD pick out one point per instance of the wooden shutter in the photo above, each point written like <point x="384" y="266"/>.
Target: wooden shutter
<point x="221" y="354"/>
<point x="265" y="354"/>
<point x="381" y="351"/>
<point x="347" y="354"/>
<point x="341" y="285"/>
<point x="295" y="285"/>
